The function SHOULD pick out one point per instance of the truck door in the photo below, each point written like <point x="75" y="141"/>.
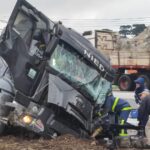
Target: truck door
<point x="23" y="46"/>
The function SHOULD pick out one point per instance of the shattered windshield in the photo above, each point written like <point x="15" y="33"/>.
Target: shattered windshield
<point x="76" y="69"/>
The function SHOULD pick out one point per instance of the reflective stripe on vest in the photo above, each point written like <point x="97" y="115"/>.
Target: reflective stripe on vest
<point x="126" y="108"/>
<point x="115" y="103"/>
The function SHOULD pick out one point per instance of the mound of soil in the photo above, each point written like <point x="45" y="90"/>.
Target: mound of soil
<point x="20" y="139"/>
<point x="66" y="142"/>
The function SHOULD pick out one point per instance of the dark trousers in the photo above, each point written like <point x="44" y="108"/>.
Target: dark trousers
<point x="142" y="122"/>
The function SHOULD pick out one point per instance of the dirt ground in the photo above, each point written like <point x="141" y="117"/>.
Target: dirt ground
<point x="66" y="142"/>
<point x="19" y="141"/>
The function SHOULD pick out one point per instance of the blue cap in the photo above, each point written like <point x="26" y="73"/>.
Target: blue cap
<point x="139" y="80"/>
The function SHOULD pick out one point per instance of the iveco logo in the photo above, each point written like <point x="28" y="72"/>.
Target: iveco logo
<point x="94" y="60"/>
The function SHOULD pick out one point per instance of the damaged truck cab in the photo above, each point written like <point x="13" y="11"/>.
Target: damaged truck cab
<point x="58" y="77"/>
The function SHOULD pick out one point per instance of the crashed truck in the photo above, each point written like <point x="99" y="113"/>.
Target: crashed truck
<point x="53" y="80"/>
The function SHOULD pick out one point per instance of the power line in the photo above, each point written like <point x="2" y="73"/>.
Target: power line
<point x="97" y="19"/>
<point x="105" y="22"/>
<point x="137" y="18"/>
<point x="94" y="23"/>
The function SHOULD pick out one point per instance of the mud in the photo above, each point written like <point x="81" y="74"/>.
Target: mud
<point x="23" y="141"/>
<point x="18" y="139"/>
<point x="66" y="142"/>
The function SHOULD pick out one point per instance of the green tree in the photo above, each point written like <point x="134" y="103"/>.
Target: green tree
<point x="137" y="28"/>
<point x="125" y="30"/>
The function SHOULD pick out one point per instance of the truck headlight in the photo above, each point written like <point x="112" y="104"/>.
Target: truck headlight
<point x="27" y="119"/>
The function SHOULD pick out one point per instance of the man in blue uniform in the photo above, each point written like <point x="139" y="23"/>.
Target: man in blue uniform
<point x="120" y="107"/>
<point x="140" y="87"/>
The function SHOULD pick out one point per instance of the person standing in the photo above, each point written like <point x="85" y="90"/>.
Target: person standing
<point x="144" y="110"/>
<point x="140" y="87"/>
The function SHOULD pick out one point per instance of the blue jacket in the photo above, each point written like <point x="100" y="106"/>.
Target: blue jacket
<point x="117" y="105"/>
<point x="120" y="105"/>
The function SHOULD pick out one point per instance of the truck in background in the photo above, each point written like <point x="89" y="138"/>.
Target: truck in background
<point x="128" y="63"/>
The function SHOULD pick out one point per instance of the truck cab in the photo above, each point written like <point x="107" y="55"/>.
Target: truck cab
<point x="57" y="75"/>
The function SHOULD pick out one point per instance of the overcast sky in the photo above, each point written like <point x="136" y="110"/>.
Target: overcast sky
<point x="86" y="15"/>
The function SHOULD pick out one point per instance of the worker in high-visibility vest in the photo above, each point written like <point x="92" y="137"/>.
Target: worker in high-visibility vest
<point x="119" y="106"/>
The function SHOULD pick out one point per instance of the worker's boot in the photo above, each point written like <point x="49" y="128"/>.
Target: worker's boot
<point x="124" y="141"/>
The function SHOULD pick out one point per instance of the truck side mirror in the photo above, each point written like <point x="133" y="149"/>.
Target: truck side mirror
<point x="87" y="33"/>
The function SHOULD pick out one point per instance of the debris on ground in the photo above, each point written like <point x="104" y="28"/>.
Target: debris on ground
<point x="65" y="142"/>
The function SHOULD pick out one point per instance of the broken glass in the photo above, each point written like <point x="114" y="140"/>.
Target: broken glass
<point x="77" y="70"/>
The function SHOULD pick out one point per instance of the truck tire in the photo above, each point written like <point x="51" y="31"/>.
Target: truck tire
<point x="147" y="80"/>
<point x="125" y="82"/>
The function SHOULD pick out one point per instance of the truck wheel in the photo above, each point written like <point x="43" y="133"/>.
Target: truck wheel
<point x="147" y="80"/>
<point x="125" y="83"/>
